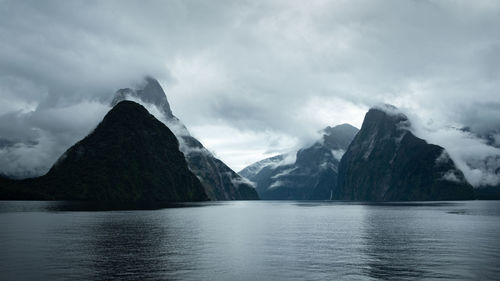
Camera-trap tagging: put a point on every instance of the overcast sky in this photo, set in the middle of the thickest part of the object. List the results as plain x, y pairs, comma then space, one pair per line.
249, 78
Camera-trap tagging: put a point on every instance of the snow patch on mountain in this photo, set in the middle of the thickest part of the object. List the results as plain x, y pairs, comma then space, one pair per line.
337, 153
284, 173
276, 184
288, 159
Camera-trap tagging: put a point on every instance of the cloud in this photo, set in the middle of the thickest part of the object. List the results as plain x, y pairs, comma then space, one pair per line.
451, 176
241, 180
35, 139
337, 153
283, 173
249, 78
478, 161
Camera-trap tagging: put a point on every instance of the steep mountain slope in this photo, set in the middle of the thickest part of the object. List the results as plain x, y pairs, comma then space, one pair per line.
129, 157
220, 182
386, 162
313, 175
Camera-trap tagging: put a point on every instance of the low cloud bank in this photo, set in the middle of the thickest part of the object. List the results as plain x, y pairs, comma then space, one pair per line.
473, 155
37, 138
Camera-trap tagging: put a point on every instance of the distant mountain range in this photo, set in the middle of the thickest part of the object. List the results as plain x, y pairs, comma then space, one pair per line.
384, 162
312, 176
129, 157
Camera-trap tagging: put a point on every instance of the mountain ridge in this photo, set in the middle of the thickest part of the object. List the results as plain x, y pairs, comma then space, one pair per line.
220, 181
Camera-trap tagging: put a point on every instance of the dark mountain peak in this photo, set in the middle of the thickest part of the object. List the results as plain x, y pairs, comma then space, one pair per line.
386, 114
340, 128
124, 110
384, 123
385, 161
150, 80
149, 91
152, 91
129, 157
338, 137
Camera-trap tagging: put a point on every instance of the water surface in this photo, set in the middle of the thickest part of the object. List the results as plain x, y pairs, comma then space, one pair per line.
245, 240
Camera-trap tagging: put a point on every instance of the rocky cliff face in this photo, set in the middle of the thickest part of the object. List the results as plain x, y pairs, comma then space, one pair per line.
219, 181
386, 162
312, 176
129, 157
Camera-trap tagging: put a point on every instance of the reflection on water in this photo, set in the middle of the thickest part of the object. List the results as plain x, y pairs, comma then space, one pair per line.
395, 248
250, 241
124, 246
402, 243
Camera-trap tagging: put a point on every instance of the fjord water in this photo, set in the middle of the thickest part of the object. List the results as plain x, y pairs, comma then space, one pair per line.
251, 241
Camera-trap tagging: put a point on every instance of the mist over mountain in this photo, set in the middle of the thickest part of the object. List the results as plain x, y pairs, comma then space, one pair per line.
387, 162
263, 73
129, 157
313, 174
220, 181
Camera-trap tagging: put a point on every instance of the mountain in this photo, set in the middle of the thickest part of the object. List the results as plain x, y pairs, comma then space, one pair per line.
386, 162
312, 176
220, 181
149, 92
19, 190
129, 157
487, 192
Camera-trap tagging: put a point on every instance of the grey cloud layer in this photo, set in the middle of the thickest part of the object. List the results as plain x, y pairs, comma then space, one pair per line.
258, 71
